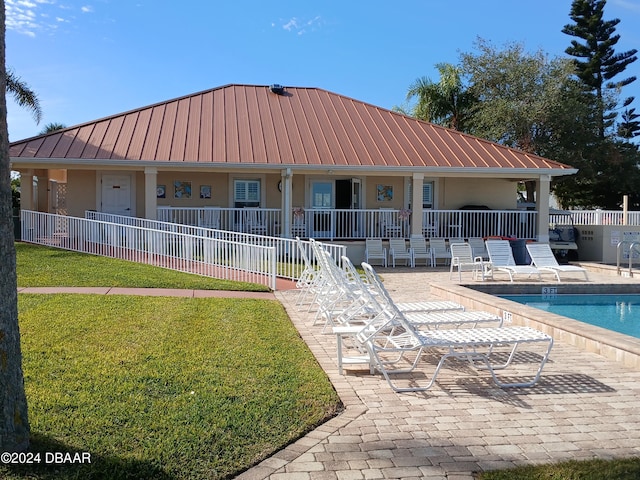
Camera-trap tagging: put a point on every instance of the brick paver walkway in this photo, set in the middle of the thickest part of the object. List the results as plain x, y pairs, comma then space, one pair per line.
584, 406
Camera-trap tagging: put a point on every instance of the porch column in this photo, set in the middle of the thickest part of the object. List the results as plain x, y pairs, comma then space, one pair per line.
416, 204
26, 190
285, 227
150, 196
542, 204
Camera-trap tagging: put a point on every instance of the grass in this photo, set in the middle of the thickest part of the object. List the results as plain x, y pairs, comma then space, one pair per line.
50, 267
622, 469
158, 388
179, 388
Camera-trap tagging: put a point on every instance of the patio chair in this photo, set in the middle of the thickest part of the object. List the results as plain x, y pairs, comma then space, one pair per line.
255, 221
430, 314
209, 218
419, 249
501, 258
382, 296
439, 250
393, 339
462, 258
389, 223
375, 251
398, 251
478, 247
542, 258
299, 225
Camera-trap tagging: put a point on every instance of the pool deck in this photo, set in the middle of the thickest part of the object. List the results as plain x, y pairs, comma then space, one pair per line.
586, 405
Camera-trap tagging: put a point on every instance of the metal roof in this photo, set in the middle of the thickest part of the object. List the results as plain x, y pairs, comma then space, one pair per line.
262, 126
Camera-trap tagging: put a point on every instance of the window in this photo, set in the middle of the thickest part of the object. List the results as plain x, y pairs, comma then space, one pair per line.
246, 193
427, 195
322, 193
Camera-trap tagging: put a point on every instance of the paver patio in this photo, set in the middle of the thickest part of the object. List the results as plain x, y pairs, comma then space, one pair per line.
584, 406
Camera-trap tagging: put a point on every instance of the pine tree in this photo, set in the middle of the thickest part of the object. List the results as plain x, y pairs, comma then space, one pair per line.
596, 62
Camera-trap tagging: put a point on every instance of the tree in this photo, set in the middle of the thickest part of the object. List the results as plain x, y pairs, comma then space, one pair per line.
445, 103
14, 424
596, 62
522, 98
52, 127
23, 95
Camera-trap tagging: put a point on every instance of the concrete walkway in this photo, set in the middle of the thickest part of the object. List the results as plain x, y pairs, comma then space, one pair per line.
155, 292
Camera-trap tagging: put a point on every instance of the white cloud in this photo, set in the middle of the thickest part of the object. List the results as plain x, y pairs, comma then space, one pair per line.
34, 17
633, 6
301, 26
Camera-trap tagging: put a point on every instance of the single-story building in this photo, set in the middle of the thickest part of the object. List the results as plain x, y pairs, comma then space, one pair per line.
292, 154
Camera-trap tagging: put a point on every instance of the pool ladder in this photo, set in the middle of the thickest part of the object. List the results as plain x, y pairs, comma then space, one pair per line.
632, 246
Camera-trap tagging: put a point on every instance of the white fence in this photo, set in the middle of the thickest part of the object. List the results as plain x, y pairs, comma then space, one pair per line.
186, 252
337, 224
604, 217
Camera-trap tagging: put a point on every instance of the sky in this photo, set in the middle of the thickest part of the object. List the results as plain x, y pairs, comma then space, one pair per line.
88, 59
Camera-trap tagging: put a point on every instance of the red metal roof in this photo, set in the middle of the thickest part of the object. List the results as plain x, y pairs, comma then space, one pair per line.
248, 124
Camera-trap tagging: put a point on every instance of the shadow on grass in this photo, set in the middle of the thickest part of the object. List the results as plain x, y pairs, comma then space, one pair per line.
53, 466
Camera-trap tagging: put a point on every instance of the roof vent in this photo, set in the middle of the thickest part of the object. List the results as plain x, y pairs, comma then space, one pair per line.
277, 89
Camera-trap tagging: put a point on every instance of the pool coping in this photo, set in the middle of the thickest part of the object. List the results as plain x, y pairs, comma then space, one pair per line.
612, 345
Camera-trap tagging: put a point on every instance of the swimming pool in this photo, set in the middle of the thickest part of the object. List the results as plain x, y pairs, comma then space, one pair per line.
619, 313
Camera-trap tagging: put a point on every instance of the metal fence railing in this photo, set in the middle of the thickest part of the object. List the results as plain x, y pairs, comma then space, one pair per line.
204, 255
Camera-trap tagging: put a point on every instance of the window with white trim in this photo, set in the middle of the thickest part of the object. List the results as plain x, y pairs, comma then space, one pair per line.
427, 195
246, 193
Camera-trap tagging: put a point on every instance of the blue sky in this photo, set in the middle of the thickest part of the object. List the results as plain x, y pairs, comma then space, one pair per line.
88, 59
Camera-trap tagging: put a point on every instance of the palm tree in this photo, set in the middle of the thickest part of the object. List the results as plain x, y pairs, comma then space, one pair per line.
14, 424
447, 103
23, 95
52, 127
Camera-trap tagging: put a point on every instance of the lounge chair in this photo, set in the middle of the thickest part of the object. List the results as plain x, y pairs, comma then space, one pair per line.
419, 249
542, 258
431, 315
478, 247
398, 251
501, 258
390, 339
462, 258
439, 250
375, 251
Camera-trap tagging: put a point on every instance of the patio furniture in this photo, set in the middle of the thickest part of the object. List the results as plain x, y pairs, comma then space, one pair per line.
439, 250
501, 258
419, 249
462, 258
433, 314
398, 251
478, 247
382, 296
389, 226
209, 218
299, 225
375, 251
255, 221
390, 339
542, 258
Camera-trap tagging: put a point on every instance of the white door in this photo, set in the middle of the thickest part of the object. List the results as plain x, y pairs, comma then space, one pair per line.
116, 194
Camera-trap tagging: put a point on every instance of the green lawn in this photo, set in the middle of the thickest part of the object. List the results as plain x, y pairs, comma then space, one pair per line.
159, 388
40, 266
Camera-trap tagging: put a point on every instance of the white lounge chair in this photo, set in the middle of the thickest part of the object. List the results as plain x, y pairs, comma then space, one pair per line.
398, 251
375, 251
433, 314
439, 250
419, 249
542, 258
462, 258
501, 258
478, 247
391, 339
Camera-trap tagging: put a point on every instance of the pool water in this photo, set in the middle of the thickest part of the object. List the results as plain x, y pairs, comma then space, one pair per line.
619, 313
